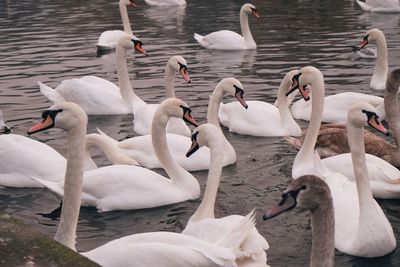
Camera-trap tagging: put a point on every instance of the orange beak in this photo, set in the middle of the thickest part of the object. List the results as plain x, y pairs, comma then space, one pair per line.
43, 125
185, 74
139, 48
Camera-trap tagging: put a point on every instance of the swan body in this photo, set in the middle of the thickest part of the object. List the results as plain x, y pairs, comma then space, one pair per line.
361, 228
336, 106
144, 114
141, 149
163, 3
98, 96
133, 187
146, 249
312, 193
203, 224
229, 40
108, 39
275, 122
381, 69
384, 6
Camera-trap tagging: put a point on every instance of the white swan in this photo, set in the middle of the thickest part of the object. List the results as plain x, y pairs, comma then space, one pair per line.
275, 122
144, 114
361, 227
123, 187
98, 96
385, 178
378, 80
163, 3
141, 250
108, 39
141, 149
312, 193
388, 6
4, 129
203, 224
229, 40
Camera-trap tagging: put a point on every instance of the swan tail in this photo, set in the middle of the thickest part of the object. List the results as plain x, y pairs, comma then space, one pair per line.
51, 93
198, 37
54, 187
296, 142
110, 148
363, 5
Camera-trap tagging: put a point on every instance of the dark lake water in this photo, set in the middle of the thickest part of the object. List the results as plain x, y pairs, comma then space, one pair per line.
50, 41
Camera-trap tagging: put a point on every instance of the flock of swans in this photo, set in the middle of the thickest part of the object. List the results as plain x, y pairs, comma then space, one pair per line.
339, 189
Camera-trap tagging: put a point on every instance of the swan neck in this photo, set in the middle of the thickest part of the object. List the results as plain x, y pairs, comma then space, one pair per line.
213, 106
169, 81
178, 175
357, 150
392, 112
381, 65
66, 231
306, 154
125, 18
206, 207
244, 25
323, 228
283, 105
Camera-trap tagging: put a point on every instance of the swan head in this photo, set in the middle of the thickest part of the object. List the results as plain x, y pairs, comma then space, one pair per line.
371, 35
65, 115
362, 114
306, 76
250, 9
128, 42
393, 82
306, 192
206, 134
175, 107
178, 64
128, 3
233, 87
3, 128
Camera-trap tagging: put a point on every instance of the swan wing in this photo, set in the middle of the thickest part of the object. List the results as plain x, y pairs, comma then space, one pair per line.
222, 40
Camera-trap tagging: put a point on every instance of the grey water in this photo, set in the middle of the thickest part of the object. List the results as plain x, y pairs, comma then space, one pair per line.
50, 41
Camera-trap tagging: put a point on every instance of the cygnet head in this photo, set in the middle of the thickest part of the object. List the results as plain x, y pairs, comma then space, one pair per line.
178, 64
65, 115
306, 192
233, 87
250, 9
128, 41
362, 114
206, 134
175, 107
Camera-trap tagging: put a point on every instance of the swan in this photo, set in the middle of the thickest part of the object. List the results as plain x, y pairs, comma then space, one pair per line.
98, 96
108, 39
143, 115
277, 121
229, 40
4, 129
332, 138
361, 227
140, 250
163, 3
141, 149
124, 187
388, 6
378, 80
312, 193
385, 178
203, 224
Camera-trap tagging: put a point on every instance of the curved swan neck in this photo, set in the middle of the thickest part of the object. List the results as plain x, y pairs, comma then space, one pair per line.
306, 153
392, 112
206, 207
323, 228
178, 175
125, 18
283, 105
381, 65
66, 231
244, 25
169, 81
214, 104
357, 150
125, 86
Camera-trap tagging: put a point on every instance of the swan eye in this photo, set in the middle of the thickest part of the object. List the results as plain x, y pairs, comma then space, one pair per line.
182, 66
137, 43
370, 114
51, 113
186, 110
238, 91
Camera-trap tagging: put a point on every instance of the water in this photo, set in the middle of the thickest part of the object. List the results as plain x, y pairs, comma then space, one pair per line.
50, 41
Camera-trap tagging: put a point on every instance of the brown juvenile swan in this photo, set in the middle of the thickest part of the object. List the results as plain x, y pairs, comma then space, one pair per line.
312, 193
